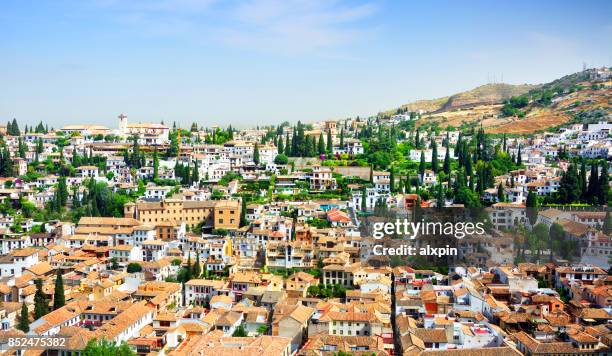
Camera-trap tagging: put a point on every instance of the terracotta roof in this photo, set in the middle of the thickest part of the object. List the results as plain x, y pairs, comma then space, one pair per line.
431, 334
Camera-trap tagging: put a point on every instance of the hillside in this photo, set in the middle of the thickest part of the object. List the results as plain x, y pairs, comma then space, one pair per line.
572, 98
484, 94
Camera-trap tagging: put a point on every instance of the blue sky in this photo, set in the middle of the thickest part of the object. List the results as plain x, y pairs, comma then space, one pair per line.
265, 61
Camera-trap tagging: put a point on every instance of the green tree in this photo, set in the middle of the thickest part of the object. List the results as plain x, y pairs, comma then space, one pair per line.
41, 304
24, 319
59, 298
134, 267
440, 196
501, 197
6, 163
593, 186
103, 347
321, 144
446, 165
196, 271
542, 235
422, 165
364, 205
583, 179
243, 211
604, 184
114, 263
330, 145
434, 156
288, 148
531, 205
557, 236
256, 154
195, 173
240, 331
21, 148
281, 159
262, 330
569, 186
280, 145
155, 165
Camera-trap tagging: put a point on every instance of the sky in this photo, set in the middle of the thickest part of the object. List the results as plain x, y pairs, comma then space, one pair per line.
259, 62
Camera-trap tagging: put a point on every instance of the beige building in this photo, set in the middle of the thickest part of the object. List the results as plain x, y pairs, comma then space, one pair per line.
216, 214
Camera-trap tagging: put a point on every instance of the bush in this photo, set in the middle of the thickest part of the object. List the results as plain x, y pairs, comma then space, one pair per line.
281, 159
134, 267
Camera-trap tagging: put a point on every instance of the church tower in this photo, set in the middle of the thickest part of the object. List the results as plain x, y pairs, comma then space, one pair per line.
123, 124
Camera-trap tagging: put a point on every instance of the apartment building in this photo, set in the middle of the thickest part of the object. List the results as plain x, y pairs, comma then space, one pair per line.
222, 214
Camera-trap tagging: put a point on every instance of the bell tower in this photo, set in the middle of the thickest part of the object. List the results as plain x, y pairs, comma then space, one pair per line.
123, 123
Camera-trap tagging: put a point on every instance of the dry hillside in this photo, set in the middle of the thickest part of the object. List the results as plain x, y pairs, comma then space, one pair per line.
483, 105
483, 95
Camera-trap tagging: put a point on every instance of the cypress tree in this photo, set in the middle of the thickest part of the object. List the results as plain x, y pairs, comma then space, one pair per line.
24, 319
296, 141
531, 206
155, 165
41, 305
500, 193
314, 148
281, 147
446, 165
187, 175
434, 157
195, 173
422, 165
243, 209
321, 145
440, 196
593, 186
188, 273
468, 167
583, 178
391, 180
15, 128
256, 154
59, 298
196, 266
330, 142
458, 147
62, 191
569, 186
75, 198
604, 184
364, 205
21, 149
